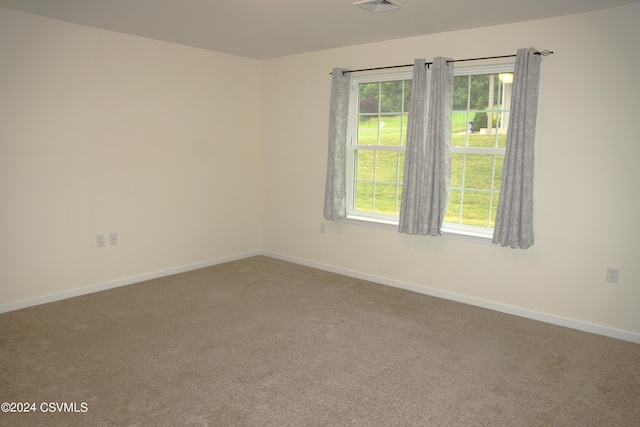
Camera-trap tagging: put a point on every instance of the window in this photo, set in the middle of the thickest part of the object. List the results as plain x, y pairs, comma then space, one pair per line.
377, 140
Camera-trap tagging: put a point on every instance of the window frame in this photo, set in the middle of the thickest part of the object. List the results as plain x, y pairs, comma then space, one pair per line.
503, 67
353, 146
466, 232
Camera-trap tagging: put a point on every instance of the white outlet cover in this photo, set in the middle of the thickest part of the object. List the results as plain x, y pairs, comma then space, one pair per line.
613, 274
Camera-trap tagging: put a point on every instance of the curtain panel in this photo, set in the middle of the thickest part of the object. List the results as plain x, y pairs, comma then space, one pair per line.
335, 195
514, 218
427, 168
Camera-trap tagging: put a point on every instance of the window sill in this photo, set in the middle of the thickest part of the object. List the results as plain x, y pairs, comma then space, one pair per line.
458, 233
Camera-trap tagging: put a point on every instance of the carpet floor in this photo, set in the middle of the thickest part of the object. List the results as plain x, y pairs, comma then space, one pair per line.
263, 342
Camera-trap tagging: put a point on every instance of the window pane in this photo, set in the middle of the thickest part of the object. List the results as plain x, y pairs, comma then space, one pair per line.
502, 125
478, 171
407, 95
502, 139
453, 212
497, 180
482, 140
364, 165
460, 123
459, 127
480, 121
494, 208
368, 94
457, 160
386, 197
460, 92
387, 166
479, 92
403, 129
364, 196
368, 130
391, 97
390, 130
475, 208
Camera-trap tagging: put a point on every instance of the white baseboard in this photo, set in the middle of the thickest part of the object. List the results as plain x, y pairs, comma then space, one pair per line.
120, 282
503, 308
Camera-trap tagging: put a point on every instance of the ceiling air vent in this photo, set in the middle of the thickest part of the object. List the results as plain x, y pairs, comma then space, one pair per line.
377, 5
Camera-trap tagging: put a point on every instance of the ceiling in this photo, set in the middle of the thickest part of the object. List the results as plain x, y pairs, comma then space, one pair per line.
264, 29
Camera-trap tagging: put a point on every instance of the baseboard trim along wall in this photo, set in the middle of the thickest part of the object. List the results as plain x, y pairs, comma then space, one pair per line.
503, 308
120, 282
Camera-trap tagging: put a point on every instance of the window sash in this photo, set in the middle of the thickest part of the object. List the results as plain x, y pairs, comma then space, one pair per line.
354, 147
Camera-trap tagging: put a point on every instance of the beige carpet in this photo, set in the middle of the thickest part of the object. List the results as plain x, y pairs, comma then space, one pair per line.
262, 342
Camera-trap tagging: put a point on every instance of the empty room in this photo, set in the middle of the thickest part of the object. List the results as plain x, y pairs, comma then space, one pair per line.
319, 213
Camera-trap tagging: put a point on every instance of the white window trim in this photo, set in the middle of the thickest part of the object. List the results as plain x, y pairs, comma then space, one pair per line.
451, 233
450, 230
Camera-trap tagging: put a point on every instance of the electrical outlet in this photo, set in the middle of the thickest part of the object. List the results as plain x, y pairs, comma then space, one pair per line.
113, 238
323, 227
613, 274
99, 240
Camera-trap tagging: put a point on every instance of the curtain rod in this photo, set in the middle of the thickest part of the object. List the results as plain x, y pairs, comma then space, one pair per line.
543, 53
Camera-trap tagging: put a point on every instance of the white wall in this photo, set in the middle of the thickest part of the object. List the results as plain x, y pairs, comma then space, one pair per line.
102, 132
587, 154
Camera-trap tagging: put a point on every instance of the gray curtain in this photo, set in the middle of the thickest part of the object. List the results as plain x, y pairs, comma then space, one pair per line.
427, 166
335, 194
514, 219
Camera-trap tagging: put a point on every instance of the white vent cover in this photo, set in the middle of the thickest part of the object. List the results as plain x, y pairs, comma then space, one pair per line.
377, 5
